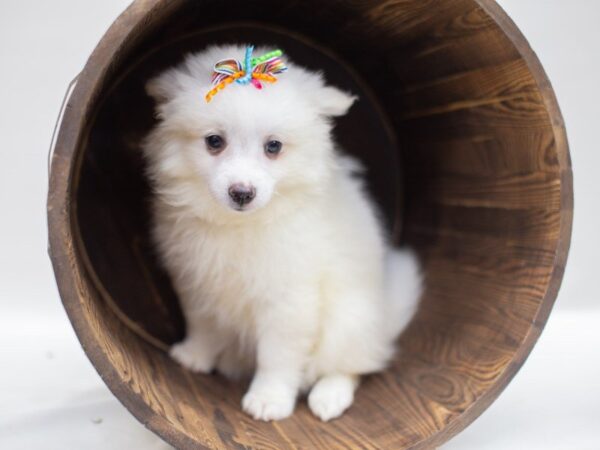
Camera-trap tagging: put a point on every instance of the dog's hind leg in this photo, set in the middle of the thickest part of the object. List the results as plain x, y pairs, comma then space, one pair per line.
201, 347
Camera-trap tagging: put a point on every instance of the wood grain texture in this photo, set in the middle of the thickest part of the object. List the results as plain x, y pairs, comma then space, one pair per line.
460, 120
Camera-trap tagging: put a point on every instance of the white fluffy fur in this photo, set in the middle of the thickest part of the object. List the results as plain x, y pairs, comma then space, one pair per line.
292, 287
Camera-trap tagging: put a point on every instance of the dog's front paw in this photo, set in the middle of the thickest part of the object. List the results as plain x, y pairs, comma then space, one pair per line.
268, 404
194, 356
331, 396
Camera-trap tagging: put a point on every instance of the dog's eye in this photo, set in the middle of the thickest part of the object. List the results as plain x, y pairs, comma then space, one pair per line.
272, 148
215, 143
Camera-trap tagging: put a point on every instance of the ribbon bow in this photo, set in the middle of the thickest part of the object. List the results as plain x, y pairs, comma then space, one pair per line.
254, 70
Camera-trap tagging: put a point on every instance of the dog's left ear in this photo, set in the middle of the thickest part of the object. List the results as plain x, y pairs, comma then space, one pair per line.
333, 102
163, 87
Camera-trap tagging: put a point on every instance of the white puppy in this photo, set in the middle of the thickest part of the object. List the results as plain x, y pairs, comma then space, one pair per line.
272, 245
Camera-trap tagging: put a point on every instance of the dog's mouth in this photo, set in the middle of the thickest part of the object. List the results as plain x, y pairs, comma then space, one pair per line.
242, 209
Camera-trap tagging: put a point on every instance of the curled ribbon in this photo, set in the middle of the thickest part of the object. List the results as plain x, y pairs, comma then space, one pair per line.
252, 71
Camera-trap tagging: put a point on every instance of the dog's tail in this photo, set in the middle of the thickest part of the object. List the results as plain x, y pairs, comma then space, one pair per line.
403, 285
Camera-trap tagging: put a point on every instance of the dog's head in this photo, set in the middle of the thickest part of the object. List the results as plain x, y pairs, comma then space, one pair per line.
248, 148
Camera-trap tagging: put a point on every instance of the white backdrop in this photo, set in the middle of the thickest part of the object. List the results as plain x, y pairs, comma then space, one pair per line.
51, 397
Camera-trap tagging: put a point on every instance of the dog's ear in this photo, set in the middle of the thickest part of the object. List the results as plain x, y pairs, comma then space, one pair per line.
333, 102
163, 87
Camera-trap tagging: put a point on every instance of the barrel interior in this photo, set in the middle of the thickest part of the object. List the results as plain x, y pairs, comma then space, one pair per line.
464, 157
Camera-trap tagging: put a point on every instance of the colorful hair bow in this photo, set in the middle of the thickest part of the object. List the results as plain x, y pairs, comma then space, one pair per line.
253, 70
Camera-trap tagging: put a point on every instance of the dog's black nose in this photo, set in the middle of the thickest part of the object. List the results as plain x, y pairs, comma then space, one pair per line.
242, 194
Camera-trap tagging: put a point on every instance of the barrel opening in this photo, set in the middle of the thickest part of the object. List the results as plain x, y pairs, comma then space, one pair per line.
466, 156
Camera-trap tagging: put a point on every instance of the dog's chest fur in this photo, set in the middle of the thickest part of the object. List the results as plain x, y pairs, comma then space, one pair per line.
238, 272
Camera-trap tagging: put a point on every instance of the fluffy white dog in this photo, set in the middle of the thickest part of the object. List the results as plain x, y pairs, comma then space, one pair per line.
272, 245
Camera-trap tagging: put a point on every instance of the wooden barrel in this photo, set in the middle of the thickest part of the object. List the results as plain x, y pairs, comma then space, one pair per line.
467, 157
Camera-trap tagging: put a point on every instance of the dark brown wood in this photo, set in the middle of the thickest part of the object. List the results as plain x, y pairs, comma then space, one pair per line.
467, 157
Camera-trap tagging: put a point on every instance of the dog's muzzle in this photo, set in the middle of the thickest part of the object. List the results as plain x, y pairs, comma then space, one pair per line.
242, 194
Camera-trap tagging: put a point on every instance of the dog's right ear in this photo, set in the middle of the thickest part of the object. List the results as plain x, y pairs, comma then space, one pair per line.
333, 102
163, 87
